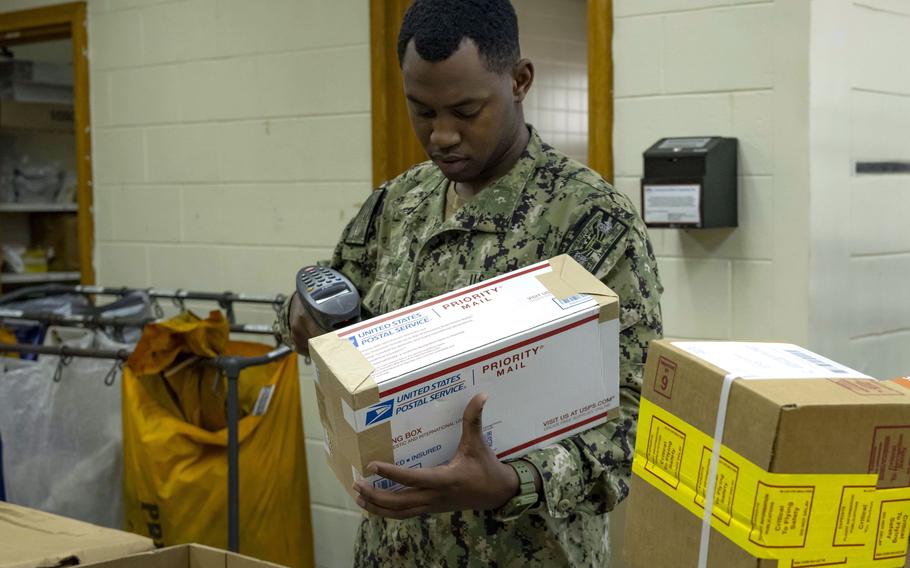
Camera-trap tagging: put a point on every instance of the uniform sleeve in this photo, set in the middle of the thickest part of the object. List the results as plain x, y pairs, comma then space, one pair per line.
589, 472
355, 256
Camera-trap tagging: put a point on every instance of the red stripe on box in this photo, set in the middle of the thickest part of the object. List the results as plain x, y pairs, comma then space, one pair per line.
551, 435
486, 284
415, 382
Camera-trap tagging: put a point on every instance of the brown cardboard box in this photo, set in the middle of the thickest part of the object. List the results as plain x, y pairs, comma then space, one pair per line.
31, 539
508, 337
36, 116
835, 424
186, 556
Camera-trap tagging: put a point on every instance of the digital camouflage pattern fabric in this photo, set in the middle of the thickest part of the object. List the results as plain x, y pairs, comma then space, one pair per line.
401, 250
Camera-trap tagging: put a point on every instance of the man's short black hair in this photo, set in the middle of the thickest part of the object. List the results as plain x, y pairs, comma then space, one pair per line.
439, 26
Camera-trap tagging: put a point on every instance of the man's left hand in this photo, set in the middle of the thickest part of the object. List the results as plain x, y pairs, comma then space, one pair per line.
474, 479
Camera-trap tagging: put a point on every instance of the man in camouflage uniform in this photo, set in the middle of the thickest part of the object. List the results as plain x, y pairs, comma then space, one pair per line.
493, 199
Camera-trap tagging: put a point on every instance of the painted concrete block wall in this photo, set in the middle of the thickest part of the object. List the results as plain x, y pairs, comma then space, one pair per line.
231, 147
231, 144
718, 67
554, 36
860, 237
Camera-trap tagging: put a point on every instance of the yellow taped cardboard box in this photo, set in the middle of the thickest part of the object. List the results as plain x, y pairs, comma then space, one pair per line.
814, 469
186, 556
31, 539
542, 342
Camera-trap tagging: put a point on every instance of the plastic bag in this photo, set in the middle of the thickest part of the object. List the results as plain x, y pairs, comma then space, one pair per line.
62, 440
175, 444
37, 183
134, 306
32, 332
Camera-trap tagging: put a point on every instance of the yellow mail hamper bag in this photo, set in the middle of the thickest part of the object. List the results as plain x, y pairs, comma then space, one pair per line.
175, 444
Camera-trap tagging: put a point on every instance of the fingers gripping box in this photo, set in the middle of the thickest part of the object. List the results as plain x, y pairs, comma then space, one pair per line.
542, 342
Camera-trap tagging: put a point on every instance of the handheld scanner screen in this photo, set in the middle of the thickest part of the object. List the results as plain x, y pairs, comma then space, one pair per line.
329, 297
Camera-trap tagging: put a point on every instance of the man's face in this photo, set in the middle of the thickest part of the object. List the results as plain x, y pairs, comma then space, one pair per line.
464, 115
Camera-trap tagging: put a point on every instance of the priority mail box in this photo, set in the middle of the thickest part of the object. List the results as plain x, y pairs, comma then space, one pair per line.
542, 342
813, 467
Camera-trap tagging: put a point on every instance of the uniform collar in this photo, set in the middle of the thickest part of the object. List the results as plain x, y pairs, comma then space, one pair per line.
491, 210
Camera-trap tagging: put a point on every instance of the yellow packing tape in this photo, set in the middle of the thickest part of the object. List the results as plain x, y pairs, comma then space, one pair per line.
803, 520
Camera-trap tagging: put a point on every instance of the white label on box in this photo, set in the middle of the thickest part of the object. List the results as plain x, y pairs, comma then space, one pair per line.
767, 360
672, 203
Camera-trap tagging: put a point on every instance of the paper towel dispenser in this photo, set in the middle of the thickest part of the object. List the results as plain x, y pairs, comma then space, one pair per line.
690, 182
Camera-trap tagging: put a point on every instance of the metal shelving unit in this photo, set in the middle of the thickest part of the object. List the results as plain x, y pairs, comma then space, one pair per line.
39, 277
38, 208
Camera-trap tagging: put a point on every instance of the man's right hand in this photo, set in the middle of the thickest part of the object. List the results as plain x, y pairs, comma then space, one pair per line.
302, 324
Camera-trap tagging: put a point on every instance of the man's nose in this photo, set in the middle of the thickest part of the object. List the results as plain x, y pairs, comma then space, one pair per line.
445, 134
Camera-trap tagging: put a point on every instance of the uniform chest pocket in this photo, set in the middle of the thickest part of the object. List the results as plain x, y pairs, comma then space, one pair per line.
389, 288
353, 253
455, 278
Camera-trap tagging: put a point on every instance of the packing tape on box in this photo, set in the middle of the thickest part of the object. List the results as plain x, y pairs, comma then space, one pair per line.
802, 520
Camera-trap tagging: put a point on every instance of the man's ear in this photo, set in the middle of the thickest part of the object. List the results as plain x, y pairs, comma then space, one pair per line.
522, 79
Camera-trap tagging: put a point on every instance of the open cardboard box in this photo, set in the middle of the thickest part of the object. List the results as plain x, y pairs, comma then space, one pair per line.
185, 556
31, 539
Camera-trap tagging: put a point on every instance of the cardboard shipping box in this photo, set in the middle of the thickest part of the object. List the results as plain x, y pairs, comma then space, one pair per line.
814, 468
542, 342
186, 556
36, 116
32, 539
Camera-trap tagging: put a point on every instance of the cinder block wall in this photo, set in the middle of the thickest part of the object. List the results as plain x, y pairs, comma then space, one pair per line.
716, 67
249, 150
860, 107
231, 144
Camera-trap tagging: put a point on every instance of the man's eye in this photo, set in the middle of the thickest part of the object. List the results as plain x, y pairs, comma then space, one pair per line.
426, 113
467, 113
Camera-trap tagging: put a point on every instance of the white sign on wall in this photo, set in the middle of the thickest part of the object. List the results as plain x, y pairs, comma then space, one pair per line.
679, 203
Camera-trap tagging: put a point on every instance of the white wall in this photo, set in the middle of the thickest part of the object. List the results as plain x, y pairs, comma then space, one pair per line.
860, 238
231, 147
728, 68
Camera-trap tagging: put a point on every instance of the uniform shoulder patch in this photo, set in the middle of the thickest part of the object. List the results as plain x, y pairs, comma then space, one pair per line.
360, 226
592, 238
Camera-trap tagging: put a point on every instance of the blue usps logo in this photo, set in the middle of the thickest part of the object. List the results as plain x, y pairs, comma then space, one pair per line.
379, 412
353, 340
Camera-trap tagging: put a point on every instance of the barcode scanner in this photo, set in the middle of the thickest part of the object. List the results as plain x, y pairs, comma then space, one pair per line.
328, 296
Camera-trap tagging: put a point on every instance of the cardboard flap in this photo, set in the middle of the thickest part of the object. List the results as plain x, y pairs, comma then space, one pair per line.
568, 278
349, 367
187, 556
34, 538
